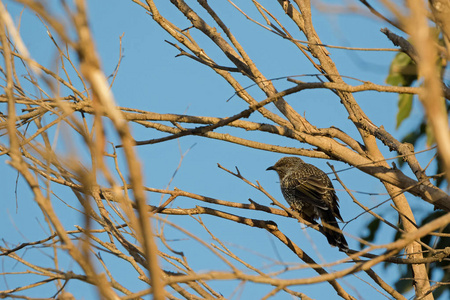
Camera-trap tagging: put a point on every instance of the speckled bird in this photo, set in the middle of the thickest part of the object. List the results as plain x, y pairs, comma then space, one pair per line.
309, 191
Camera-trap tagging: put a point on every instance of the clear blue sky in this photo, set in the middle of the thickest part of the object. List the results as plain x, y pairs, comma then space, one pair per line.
152, 79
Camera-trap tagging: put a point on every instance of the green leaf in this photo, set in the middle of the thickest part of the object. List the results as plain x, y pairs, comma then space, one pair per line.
404, 283
404, 107
373, 228
395, 79
402, 72
445, 278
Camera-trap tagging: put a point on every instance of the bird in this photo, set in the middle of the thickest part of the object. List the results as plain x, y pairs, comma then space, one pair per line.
309, 191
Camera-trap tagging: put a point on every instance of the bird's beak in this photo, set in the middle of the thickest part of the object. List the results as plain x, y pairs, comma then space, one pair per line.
270, 168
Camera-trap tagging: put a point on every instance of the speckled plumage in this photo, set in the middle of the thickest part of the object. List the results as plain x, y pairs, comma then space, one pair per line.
309, 191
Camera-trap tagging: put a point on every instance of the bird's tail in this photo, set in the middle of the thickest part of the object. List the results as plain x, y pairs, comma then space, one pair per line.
333, 235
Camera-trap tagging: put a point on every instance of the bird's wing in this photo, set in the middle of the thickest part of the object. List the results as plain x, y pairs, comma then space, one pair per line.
312, 190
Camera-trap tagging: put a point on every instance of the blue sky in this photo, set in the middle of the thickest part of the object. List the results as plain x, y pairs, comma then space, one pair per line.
151, 78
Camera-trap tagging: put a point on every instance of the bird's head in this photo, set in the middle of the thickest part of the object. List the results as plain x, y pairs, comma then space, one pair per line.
284, 164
